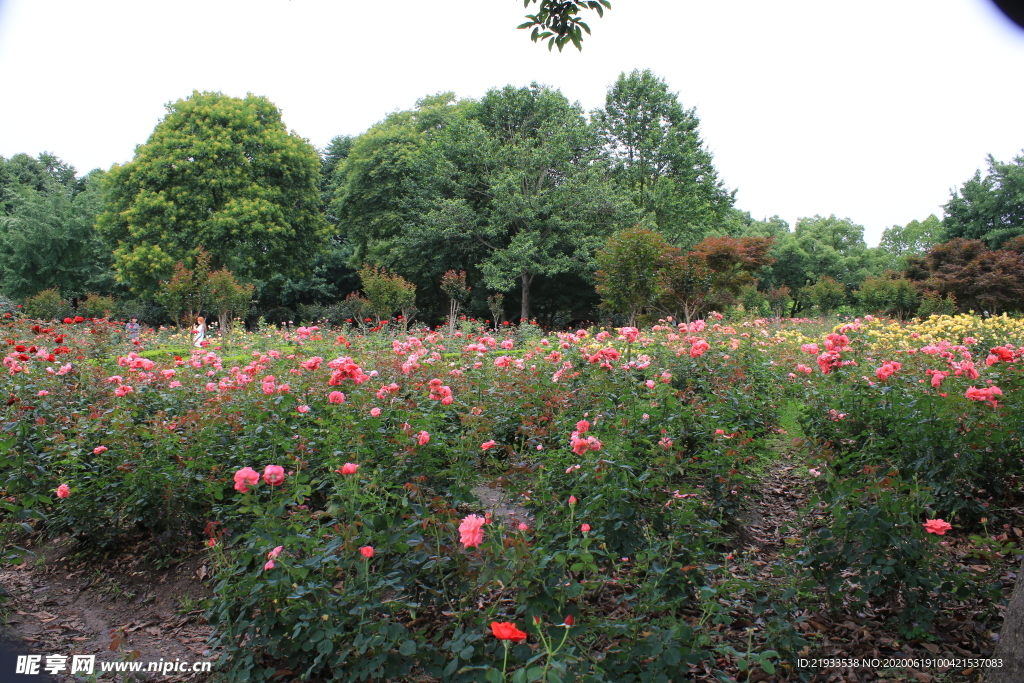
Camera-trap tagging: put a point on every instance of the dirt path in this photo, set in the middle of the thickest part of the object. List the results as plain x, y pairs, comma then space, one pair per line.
779, 513
118, 610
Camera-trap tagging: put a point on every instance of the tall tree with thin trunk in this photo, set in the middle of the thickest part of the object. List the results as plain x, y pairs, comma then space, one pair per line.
658, 157
550, 202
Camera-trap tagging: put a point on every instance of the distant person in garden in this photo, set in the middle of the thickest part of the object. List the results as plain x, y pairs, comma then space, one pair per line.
132, 329
199, 332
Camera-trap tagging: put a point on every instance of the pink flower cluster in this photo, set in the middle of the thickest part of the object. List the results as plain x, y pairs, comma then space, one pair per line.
581, 444
439, 392
247, 476
629, 334
345, 368
888, 368
1005, 354
985, 394
606, 354
937, 377
271, 556
937, 526
386, 389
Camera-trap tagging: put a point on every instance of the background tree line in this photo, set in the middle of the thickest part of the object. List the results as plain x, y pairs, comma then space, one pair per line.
520, 191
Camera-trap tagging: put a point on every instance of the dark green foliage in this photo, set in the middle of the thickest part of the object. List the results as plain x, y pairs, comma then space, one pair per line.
658, 158
559, 22
989, 208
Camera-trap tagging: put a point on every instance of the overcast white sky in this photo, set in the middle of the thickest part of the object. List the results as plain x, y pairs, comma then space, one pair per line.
870, 110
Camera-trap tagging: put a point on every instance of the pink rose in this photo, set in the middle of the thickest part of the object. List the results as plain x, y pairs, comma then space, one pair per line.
244, 478
375, 412
303, 409
63, 491
274, 475
487, 445
471, 530
937, 526
585, 528
422, 438
272, 555
349, 468
572, 500
268, 566
336, 397
366, 551
99, 449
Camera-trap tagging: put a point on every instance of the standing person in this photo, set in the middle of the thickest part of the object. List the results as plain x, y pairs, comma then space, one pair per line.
132, 329
199, 332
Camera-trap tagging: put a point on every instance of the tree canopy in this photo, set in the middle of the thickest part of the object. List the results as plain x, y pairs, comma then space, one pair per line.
222, 173
47, 235
516, 191
657, 156
989, 208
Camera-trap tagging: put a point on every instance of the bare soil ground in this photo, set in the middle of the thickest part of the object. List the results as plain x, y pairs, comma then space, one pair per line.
119, 609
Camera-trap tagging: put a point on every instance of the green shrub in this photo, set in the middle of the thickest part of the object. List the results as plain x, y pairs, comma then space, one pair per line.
47, 305
874, 548
96, 306
933, 303
827, 294
889, 296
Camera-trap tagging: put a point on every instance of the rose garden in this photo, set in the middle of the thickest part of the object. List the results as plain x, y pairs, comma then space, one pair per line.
477, 504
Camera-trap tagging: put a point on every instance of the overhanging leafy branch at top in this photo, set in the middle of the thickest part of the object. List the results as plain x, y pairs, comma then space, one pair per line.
559, 22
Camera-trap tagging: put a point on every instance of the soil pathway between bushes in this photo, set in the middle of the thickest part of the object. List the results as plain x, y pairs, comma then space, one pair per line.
118, 610
779, 513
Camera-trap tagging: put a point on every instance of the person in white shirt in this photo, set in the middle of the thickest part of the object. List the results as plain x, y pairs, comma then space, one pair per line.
199, 332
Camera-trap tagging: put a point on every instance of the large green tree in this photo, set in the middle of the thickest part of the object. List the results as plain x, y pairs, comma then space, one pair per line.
989, 208
398, 185
657, 155
222, 173
551, 202
628, 274
822, 247
510, 189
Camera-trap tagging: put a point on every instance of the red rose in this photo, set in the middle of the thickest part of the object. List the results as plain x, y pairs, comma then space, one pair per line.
504, 630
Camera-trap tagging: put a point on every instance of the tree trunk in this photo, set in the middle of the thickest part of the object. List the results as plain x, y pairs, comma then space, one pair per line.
1010, 648
524, 314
